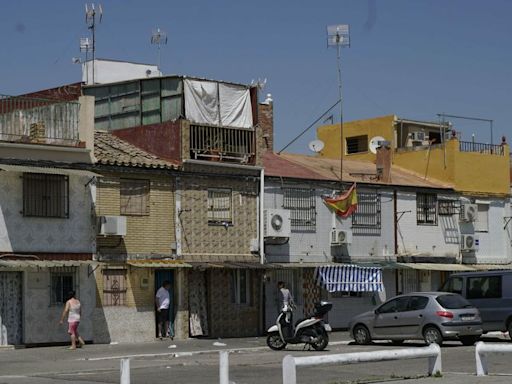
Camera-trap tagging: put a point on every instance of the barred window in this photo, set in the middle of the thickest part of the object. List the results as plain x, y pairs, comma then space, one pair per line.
447, 207
302, 205
62, 281
45, 195
134, 197
357, 144
426, 209
219, 206
368, 213
114, 287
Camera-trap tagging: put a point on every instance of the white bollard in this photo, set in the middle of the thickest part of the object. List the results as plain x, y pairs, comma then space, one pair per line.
125, 371
224, 367
289, 370
482, 350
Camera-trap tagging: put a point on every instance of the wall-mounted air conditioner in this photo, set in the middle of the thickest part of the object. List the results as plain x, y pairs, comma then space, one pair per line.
112, 226
469, 212
469, 243
340, 237
277, 223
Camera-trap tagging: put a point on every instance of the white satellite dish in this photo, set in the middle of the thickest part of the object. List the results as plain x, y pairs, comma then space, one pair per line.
375, 143
316, 145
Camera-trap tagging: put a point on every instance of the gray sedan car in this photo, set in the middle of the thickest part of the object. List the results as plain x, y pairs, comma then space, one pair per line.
431, 316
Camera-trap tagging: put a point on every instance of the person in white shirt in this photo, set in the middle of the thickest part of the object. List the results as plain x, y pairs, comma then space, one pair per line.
163, 301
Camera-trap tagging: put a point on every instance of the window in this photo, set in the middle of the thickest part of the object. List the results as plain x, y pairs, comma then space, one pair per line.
426, 209
240, 286
134, 197
395, 305
219, 206
45, 195
484, 287
63, 280
368, 210
302, 205
114, 287
454, 285
417, 303
482, 221
357, 144
447, 207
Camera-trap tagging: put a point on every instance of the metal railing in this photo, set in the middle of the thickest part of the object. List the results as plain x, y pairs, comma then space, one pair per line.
489, 149
34, 120
222, 143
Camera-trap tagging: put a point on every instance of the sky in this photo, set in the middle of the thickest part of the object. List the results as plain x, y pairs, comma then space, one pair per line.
412, 58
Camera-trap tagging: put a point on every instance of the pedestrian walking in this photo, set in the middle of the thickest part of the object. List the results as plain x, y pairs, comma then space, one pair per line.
73, 311
163, 301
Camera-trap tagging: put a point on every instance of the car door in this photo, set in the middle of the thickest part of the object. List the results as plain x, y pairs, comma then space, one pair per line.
388, 317
485, 293
411, 320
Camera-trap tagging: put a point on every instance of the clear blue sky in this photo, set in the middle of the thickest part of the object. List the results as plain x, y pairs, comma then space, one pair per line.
413, 58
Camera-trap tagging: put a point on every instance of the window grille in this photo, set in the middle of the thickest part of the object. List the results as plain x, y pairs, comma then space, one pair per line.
357, 144
368, 213
219, 206
302, 205
426, 209
62, 281
134, 197
447, 207
114, 287
45, 195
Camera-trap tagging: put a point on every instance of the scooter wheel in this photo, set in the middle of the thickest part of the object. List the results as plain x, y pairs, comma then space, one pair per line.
275, 342
322, 342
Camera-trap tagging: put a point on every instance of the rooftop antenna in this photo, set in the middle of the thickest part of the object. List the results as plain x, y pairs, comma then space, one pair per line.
90, 19
339, 36
158, 38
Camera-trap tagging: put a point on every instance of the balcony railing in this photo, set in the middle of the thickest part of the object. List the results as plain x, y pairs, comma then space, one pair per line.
33, 120
222, 144
489, 149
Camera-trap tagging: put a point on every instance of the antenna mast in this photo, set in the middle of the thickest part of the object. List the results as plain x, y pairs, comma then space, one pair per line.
90, 20
339, 36
158, 38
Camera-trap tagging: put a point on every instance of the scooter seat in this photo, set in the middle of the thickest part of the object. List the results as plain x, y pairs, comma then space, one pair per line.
299, 321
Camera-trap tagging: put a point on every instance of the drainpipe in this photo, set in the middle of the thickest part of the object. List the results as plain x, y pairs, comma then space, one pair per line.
261, 223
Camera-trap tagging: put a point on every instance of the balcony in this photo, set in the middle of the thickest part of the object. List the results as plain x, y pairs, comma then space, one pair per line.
39, 121
488, 149
235, 145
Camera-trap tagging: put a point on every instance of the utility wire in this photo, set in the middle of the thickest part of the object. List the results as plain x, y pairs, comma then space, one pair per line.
309, 127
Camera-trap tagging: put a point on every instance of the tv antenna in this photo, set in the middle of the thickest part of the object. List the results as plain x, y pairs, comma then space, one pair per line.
339, 36
158, 38
90, 19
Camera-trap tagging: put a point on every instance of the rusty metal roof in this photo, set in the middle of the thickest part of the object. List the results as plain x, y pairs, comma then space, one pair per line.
111, 150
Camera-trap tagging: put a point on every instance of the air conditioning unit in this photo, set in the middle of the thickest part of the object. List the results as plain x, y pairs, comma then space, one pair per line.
277, 223
112, 226
341, 237
469, 212
469, 243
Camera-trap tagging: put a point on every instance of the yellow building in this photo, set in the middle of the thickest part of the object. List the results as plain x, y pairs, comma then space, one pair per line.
432, 150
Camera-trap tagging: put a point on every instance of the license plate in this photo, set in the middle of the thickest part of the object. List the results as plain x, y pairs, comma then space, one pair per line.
467, 318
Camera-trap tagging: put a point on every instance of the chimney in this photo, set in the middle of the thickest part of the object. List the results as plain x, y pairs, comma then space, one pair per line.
266, 121
384, 162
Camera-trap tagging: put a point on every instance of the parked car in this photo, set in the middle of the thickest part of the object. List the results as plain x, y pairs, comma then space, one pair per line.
490, 292
431, 316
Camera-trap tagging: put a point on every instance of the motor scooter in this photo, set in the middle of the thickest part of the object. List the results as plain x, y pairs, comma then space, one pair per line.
312, 331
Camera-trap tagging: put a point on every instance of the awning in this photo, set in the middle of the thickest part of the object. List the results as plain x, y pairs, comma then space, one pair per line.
158, 263
228, 265
490, 267
47, 170
19, 264
349, 278
436, 267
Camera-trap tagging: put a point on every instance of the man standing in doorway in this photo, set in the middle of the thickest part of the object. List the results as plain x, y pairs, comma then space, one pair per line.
162, 301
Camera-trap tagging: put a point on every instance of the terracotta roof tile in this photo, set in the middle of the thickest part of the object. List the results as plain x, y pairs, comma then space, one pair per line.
111, 150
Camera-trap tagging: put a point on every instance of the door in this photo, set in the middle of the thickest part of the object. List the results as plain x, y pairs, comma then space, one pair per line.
11, 304
389, 317
411, 320
162, 275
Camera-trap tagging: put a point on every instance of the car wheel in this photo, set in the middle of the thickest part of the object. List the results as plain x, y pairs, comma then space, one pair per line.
275, 342
432, 335
468, 340
397, 342
361, 335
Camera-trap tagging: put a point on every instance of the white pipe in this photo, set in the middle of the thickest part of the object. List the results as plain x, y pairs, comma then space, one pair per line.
224, 367
261, 222
125, 371
433, 352
482, 350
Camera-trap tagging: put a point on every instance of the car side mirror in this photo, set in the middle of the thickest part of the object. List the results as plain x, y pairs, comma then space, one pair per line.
376, 312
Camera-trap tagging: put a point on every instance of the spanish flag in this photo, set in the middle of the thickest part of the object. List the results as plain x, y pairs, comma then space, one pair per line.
343, 204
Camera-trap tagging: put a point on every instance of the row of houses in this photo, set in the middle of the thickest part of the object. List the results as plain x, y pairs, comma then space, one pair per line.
110, 189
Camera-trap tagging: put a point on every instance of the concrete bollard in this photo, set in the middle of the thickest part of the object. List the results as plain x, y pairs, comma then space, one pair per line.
482, 350
224, 367
125, 371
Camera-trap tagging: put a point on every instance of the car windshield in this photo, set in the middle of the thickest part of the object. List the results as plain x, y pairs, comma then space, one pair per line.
453, 302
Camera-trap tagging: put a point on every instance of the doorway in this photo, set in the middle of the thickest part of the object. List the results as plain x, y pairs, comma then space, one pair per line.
162, 275
11, 305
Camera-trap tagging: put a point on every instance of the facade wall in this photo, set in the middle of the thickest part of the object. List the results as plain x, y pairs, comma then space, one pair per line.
42, 234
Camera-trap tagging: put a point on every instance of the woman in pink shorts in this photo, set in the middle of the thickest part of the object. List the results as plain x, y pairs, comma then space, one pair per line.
73, 310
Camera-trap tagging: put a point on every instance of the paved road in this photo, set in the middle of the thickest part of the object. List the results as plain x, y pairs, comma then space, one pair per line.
251, 362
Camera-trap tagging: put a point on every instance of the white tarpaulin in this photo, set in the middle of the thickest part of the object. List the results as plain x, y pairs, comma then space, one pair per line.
208, 102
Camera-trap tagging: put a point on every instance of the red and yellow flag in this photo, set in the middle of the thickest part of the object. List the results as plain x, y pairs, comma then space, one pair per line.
343, 204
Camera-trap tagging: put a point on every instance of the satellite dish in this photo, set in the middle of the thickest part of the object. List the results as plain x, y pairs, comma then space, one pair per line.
375, 143
316, 145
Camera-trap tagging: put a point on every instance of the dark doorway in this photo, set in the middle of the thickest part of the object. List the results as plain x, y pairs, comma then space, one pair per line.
160, 276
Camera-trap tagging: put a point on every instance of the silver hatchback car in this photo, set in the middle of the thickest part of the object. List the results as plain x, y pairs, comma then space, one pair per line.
431, 316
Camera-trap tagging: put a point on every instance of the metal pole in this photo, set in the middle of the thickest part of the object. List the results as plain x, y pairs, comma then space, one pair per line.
491, 134
341, 112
